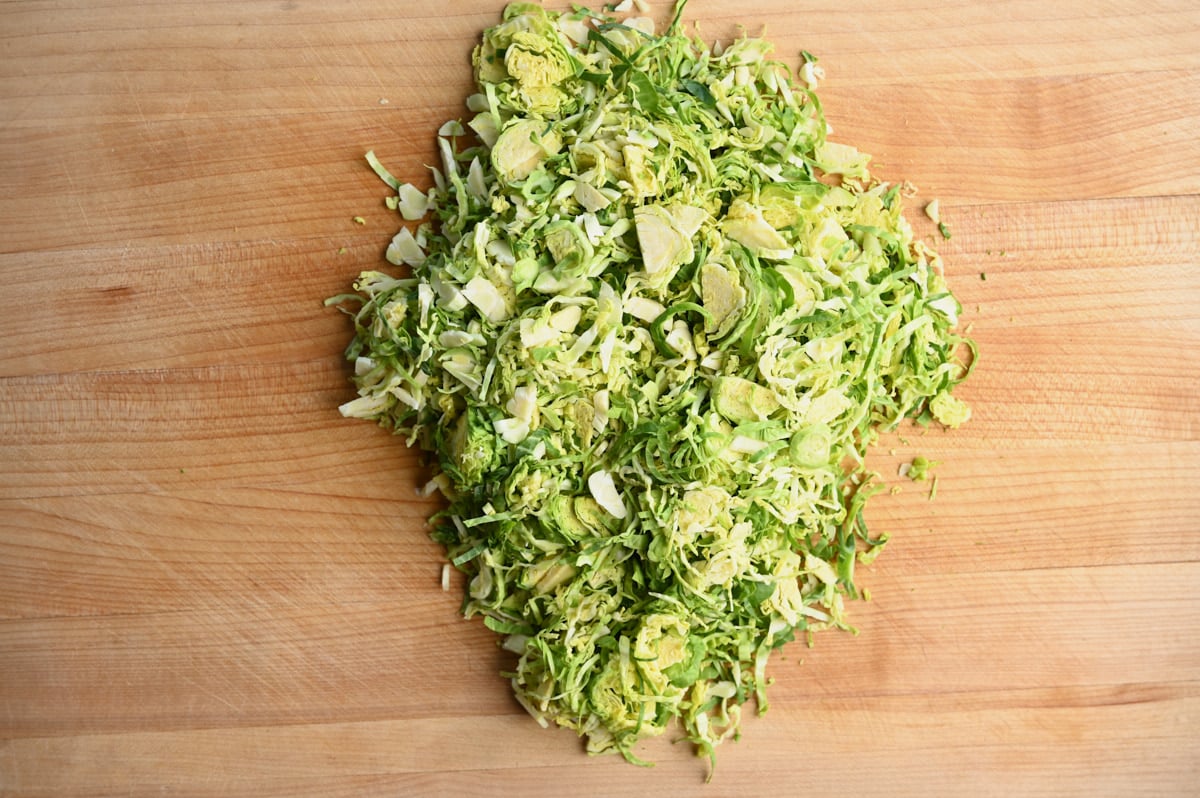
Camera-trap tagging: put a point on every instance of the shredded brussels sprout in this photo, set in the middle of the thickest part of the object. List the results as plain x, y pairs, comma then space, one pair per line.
652, 321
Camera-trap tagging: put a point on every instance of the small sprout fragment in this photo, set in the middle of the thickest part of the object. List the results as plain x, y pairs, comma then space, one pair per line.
745, 224
741, 400
722, 295
405, 249
600, 483
918, 469
412, 203
521, 148
950, 410
665, 238
933, 211
485, 296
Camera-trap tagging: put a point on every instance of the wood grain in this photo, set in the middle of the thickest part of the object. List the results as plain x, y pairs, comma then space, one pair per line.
211, 584
891, 738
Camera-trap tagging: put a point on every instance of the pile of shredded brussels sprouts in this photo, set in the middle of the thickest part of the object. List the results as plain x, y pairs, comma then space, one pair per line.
651, 320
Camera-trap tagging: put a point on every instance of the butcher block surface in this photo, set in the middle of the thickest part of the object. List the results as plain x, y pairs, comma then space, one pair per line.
212, 584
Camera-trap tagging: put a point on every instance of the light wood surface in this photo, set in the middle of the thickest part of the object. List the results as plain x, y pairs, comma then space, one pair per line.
212, 584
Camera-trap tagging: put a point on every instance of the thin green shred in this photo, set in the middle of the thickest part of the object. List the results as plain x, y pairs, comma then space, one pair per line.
649, 324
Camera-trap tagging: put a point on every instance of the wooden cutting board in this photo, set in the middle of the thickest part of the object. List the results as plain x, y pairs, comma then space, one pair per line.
210, 583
